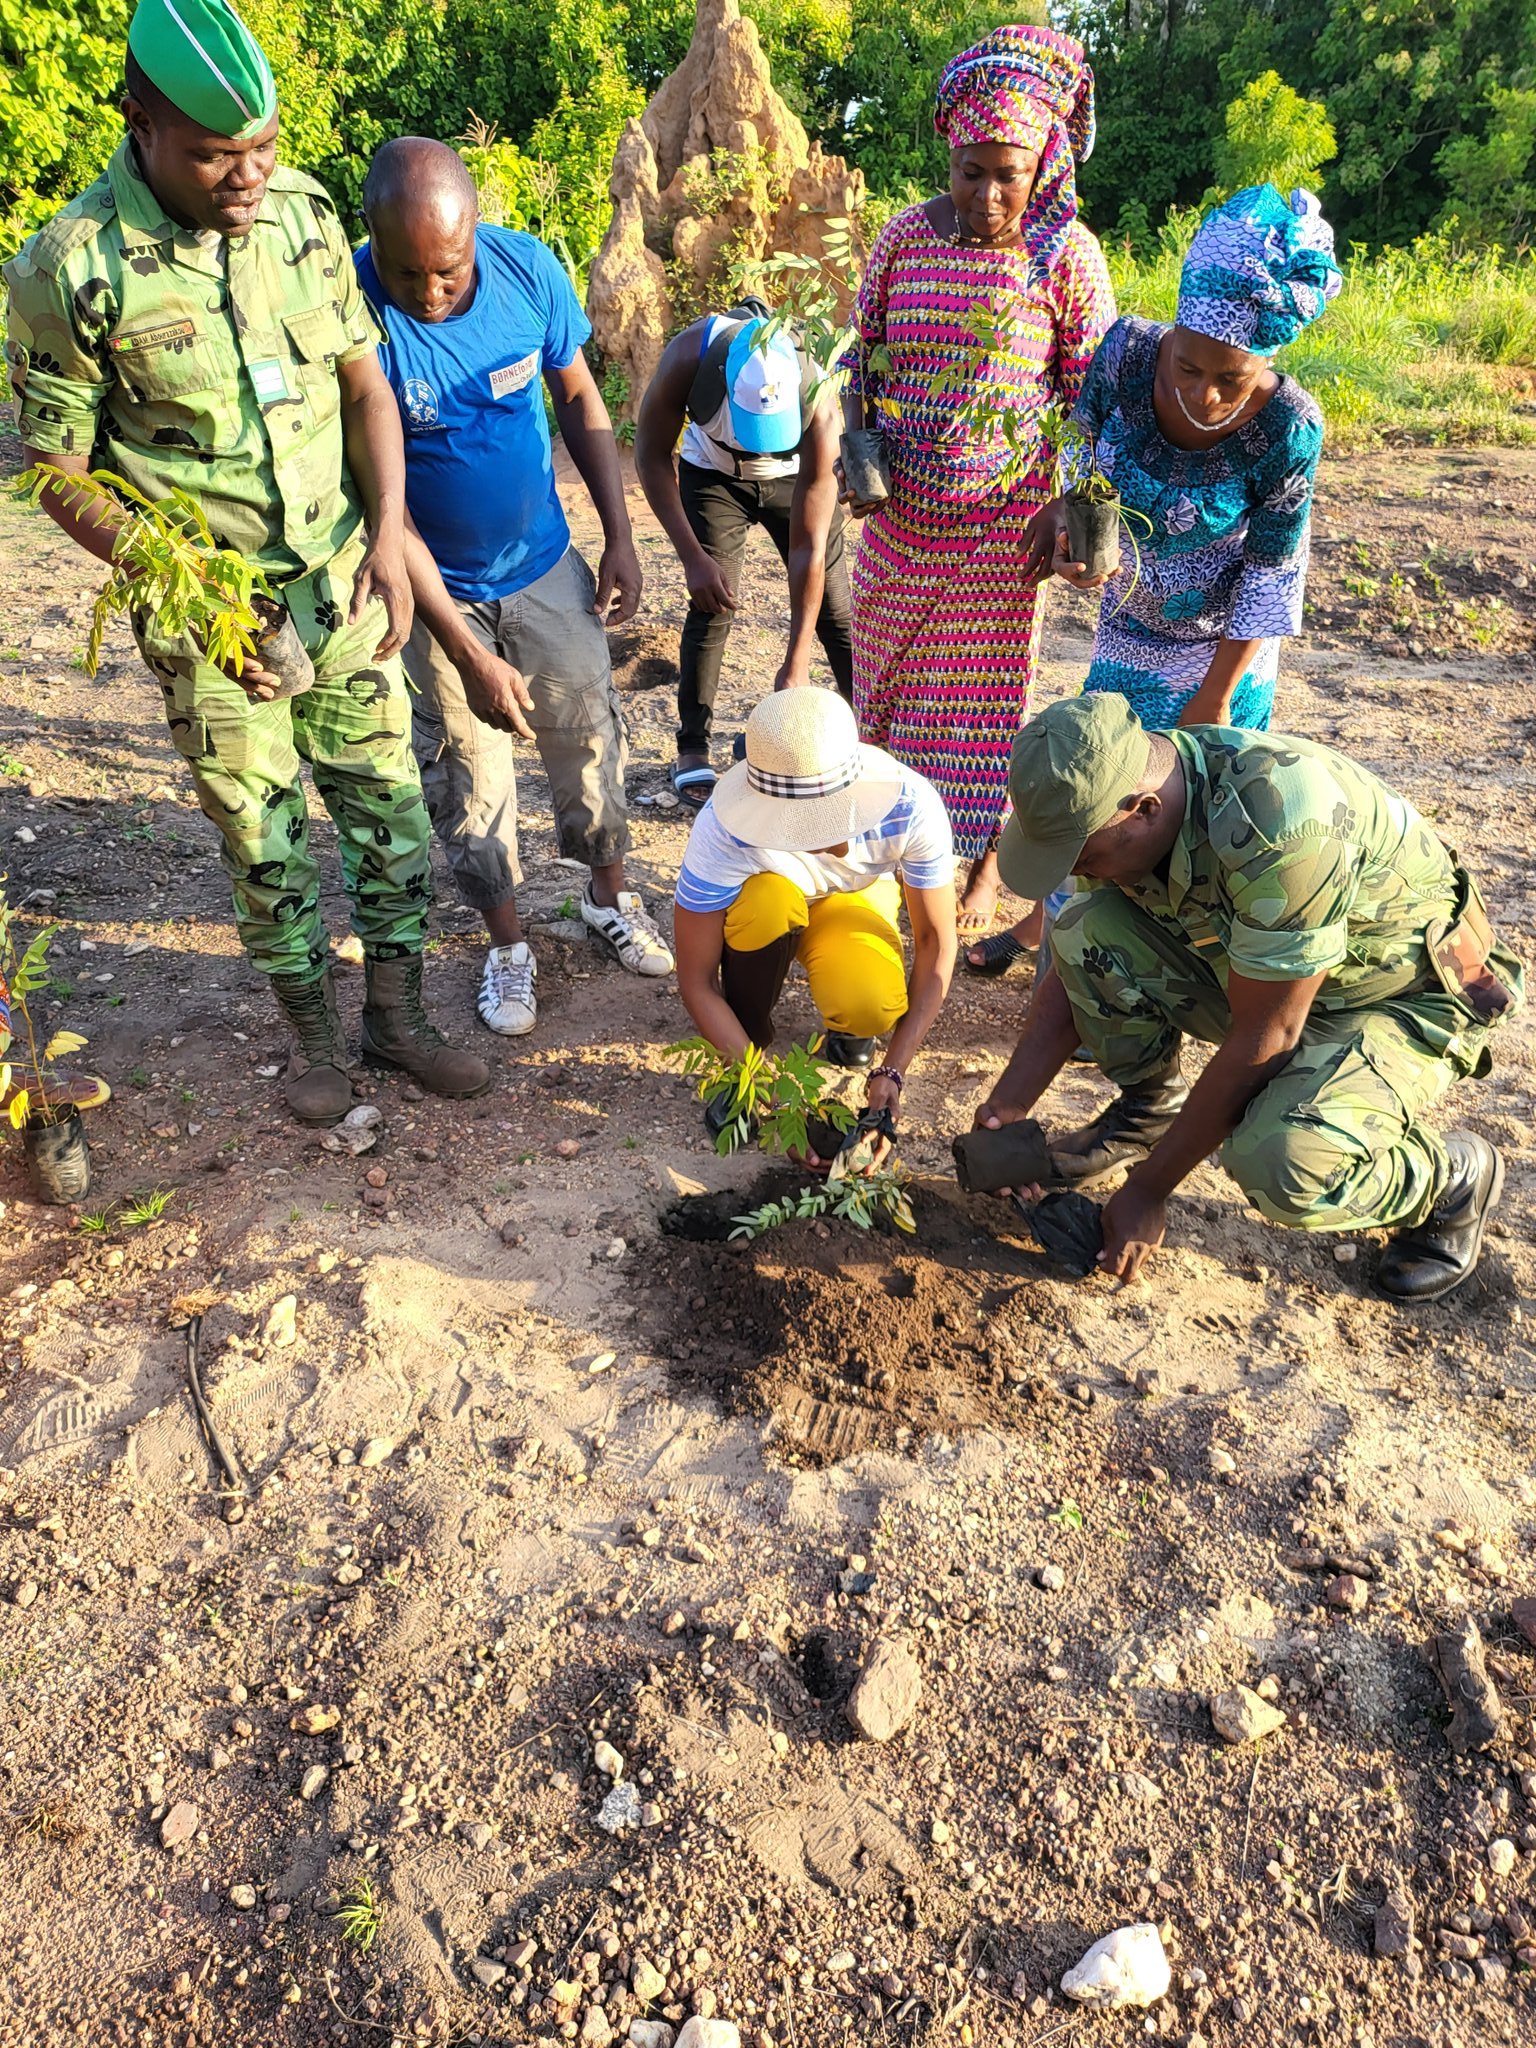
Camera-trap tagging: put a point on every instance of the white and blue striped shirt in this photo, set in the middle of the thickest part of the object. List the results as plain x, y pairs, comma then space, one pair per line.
912, 840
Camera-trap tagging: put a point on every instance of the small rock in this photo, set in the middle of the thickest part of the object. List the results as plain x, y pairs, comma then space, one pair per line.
567, 1148
315, 1720
1488, 1558
841, 1959
486, 1972
647, 1982
477, 1833
1221, 1461
596, 2028
522, 1953
603, 1361
179, 1825
377, 1177
347, 1574
314, 1781
280, 1327
1345, 1254
1522, 1613
703, 2033
1477, 1712
242, 1897
620, 1810
1502, 1857
1126, 1968
1050, 1578
608, 1760
510, 1234
375, 1451
1349, 1593
1393, 1932
939, 1832
675, 1623
1239, 1715
886, 1693
650, 2034
25, 1593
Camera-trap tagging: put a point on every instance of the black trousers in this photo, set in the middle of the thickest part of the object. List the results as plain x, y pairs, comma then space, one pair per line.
720, 510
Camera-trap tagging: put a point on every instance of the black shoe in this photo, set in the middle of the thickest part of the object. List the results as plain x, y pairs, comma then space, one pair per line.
1122, 1134
1436, 1255
842, 1049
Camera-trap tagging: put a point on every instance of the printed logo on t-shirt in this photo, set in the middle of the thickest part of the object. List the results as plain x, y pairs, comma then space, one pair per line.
515, 376
421, 408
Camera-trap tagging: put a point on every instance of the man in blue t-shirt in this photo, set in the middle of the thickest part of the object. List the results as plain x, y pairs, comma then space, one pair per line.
509, 637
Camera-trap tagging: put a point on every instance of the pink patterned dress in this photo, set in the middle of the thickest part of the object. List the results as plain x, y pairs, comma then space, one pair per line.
945, 629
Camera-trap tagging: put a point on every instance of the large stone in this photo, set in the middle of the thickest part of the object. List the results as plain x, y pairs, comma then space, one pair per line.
702, 2033
886, 1693
646, 1981
1126, 1968
1393, 1931
1477, 1712
179, 1825
650, 2034
669, 201
1239, 1715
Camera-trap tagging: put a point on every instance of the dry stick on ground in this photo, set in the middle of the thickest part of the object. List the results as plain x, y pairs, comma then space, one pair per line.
374, 2026
231, 1470
1242, 1869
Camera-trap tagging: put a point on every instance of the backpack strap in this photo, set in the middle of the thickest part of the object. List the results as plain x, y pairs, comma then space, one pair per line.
707, 392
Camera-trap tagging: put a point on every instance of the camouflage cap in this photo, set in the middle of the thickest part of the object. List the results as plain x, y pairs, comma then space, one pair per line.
205, 60
1070, 770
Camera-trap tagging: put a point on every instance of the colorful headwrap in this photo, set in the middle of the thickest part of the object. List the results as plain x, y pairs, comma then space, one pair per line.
1260, 269
1029, 87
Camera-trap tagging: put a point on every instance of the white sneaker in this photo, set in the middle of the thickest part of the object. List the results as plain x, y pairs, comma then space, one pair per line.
627, 929
507, 1001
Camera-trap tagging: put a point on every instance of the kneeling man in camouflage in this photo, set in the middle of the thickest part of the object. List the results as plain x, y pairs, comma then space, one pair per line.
1275, 899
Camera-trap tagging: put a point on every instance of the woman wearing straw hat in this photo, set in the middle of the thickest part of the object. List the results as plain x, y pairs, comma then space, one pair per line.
803, 851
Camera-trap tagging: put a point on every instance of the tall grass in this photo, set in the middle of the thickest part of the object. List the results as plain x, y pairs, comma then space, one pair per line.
1435, 343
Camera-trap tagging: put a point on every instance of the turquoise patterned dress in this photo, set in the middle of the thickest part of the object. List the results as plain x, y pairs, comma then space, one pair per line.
1227, 555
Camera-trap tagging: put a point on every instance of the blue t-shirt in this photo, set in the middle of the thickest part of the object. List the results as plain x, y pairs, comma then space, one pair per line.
479, 474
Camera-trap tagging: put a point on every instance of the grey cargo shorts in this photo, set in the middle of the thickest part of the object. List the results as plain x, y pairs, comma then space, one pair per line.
469, 770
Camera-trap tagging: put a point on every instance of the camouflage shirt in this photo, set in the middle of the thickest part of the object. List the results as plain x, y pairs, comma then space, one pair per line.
183, 359
1293, 861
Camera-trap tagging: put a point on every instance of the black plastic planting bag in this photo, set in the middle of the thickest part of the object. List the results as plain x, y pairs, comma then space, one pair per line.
1071, 1229
1016, 1156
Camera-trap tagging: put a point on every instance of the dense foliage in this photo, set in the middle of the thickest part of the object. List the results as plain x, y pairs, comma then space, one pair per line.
1412, 113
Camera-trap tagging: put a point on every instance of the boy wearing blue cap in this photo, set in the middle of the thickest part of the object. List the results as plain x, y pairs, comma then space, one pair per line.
755, 452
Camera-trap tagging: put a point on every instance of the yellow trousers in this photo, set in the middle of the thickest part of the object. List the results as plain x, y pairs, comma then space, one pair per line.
850, 947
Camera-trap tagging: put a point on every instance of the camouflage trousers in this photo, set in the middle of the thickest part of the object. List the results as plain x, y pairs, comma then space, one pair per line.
353, 727
1337, 1140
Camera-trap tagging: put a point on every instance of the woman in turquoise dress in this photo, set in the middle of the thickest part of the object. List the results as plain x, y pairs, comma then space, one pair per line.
1213, 452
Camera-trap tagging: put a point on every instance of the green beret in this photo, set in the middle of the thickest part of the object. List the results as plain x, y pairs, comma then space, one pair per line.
205, 60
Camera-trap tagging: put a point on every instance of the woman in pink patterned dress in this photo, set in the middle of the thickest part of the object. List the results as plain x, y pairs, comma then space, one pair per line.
945, 628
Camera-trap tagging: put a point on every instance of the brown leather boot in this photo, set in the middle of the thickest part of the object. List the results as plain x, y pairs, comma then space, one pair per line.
317, 1085
397, 1032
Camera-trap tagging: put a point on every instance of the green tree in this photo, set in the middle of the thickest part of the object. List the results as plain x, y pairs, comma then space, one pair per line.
1274, 137
61, 69
1490, 179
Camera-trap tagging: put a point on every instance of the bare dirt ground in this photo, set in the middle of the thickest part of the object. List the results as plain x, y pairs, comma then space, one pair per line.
665, 1493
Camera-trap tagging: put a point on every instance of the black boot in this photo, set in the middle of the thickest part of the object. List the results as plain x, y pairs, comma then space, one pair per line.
398, 1033
842, 1049
1436, 1255
1122, 1134
318, 1085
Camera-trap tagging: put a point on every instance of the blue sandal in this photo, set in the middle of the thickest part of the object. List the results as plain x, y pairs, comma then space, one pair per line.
693, 786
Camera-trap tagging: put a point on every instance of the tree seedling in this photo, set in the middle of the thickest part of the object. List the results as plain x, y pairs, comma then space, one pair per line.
773, 1097
23, 972
860, 1199
166, 566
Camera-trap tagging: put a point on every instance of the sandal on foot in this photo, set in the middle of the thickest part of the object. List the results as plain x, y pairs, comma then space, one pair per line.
693, 786
998, 954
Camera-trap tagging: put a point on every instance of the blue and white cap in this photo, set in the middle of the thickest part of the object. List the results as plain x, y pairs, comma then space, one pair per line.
762, 388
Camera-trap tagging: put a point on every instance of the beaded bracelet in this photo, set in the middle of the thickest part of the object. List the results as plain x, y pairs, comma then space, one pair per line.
886, 1074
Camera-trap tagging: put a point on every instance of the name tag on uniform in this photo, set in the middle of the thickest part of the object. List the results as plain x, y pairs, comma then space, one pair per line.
515, 377
152, 337
269, 381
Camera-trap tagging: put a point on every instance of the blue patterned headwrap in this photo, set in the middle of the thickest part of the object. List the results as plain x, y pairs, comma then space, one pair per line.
1260, 269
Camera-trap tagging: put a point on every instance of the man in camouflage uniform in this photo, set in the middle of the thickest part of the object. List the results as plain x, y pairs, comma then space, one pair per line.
1274, 898
193, 320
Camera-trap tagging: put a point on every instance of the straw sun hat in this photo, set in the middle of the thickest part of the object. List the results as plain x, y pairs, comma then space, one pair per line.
806, 782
